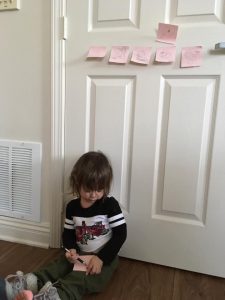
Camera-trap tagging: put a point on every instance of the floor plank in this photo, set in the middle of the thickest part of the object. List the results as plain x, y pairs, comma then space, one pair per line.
189, 285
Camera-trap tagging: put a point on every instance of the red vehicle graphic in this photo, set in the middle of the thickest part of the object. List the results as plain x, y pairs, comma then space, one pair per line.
85, 233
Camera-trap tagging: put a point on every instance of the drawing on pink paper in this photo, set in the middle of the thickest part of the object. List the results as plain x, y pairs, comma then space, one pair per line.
96, 52
167, 33
191, 56
165, 54
119, 54
141, 55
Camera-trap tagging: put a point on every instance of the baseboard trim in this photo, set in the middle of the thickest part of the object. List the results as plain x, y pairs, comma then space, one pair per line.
22, 232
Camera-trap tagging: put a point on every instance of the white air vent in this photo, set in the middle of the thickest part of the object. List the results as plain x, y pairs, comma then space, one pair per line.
20, 179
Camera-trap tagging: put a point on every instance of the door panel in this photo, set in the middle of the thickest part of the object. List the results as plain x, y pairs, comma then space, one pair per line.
187, 116
110, 109
161, 126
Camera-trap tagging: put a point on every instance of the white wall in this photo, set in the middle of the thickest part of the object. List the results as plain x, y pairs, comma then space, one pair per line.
25, 98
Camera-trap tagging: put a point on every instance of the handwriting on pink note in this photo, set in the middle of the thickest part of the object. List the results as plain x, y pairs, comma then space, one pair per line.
141, 55
119, 54
165, 54
167, 33
191, 56
96, 52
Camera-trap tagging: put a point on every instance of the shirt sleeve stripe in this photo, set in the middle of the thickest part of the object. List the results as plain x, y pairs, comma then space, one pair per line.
68, 226
117, 220
116, 217
68, 221
115, 224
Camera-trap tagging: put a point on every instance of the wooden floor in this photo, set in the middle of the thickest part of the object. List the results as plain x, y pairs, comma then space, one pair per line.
134, 280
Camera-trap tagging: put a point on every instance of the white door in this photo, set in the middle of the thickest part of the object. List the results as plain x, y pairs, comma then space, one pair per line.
162, 126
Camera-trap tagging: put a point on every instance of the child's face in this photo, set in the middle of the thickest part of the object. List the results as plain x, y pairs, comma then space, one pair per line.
89, 197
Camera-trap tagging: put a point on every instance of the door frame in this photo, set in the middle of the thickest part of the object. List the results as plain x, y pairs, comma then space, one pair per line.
58, 9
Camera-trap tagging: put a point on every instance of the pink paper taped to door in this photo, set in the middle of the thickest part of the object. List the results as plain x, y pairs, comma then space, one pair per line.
167, 33
191, 56
119, 54
141, 55
96, 52
165, 54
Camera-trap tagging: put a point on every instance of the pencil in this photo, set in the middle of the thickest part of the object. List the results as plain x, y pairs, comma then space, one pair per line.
79, 259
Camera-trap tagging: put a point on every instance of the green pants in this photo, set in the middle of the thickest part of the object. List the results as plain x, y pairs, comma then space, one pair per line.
72, 285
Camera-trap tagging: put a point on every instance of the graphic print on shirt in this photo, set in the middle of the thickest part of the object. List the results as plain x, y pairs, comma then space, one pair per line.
85, 232
92, 233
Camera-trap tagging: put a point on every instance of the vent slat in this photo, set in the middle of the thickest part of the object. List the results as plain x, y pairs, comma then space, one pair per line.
4, 196
23, 184
4, 188
21, 192
4, 169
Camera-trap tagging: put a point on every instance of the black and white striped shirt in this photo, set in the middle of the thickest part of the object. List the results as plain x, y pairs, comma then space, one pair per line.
100, 228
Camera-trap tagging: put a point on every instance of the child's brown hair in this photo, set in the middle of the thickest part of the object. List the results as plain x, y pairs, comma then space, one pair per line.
93, 172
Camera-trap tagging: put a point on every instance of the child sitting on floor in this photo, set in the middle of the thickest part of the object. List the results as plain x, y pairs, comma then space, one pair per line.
94, 225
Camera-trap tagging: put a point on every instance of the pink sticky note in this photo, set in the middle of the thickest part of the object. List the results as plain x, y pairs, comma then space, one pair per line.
191, 56
97, 52
165, 54
167, 33
141, 55
119, 54
78, 266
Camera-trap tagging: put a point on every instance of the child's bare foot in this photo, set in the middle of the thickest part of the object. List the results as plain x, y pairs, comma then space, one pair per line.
24, 295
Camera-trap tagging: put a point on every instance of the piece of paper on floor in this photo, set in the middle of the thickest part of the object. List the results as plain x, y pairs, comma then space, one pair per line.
191, 56
167, 33
141, 55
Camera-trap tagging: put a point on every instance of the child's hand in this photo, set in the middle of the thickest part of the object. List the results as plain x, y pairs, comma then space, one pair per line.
94, 266
71, 256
